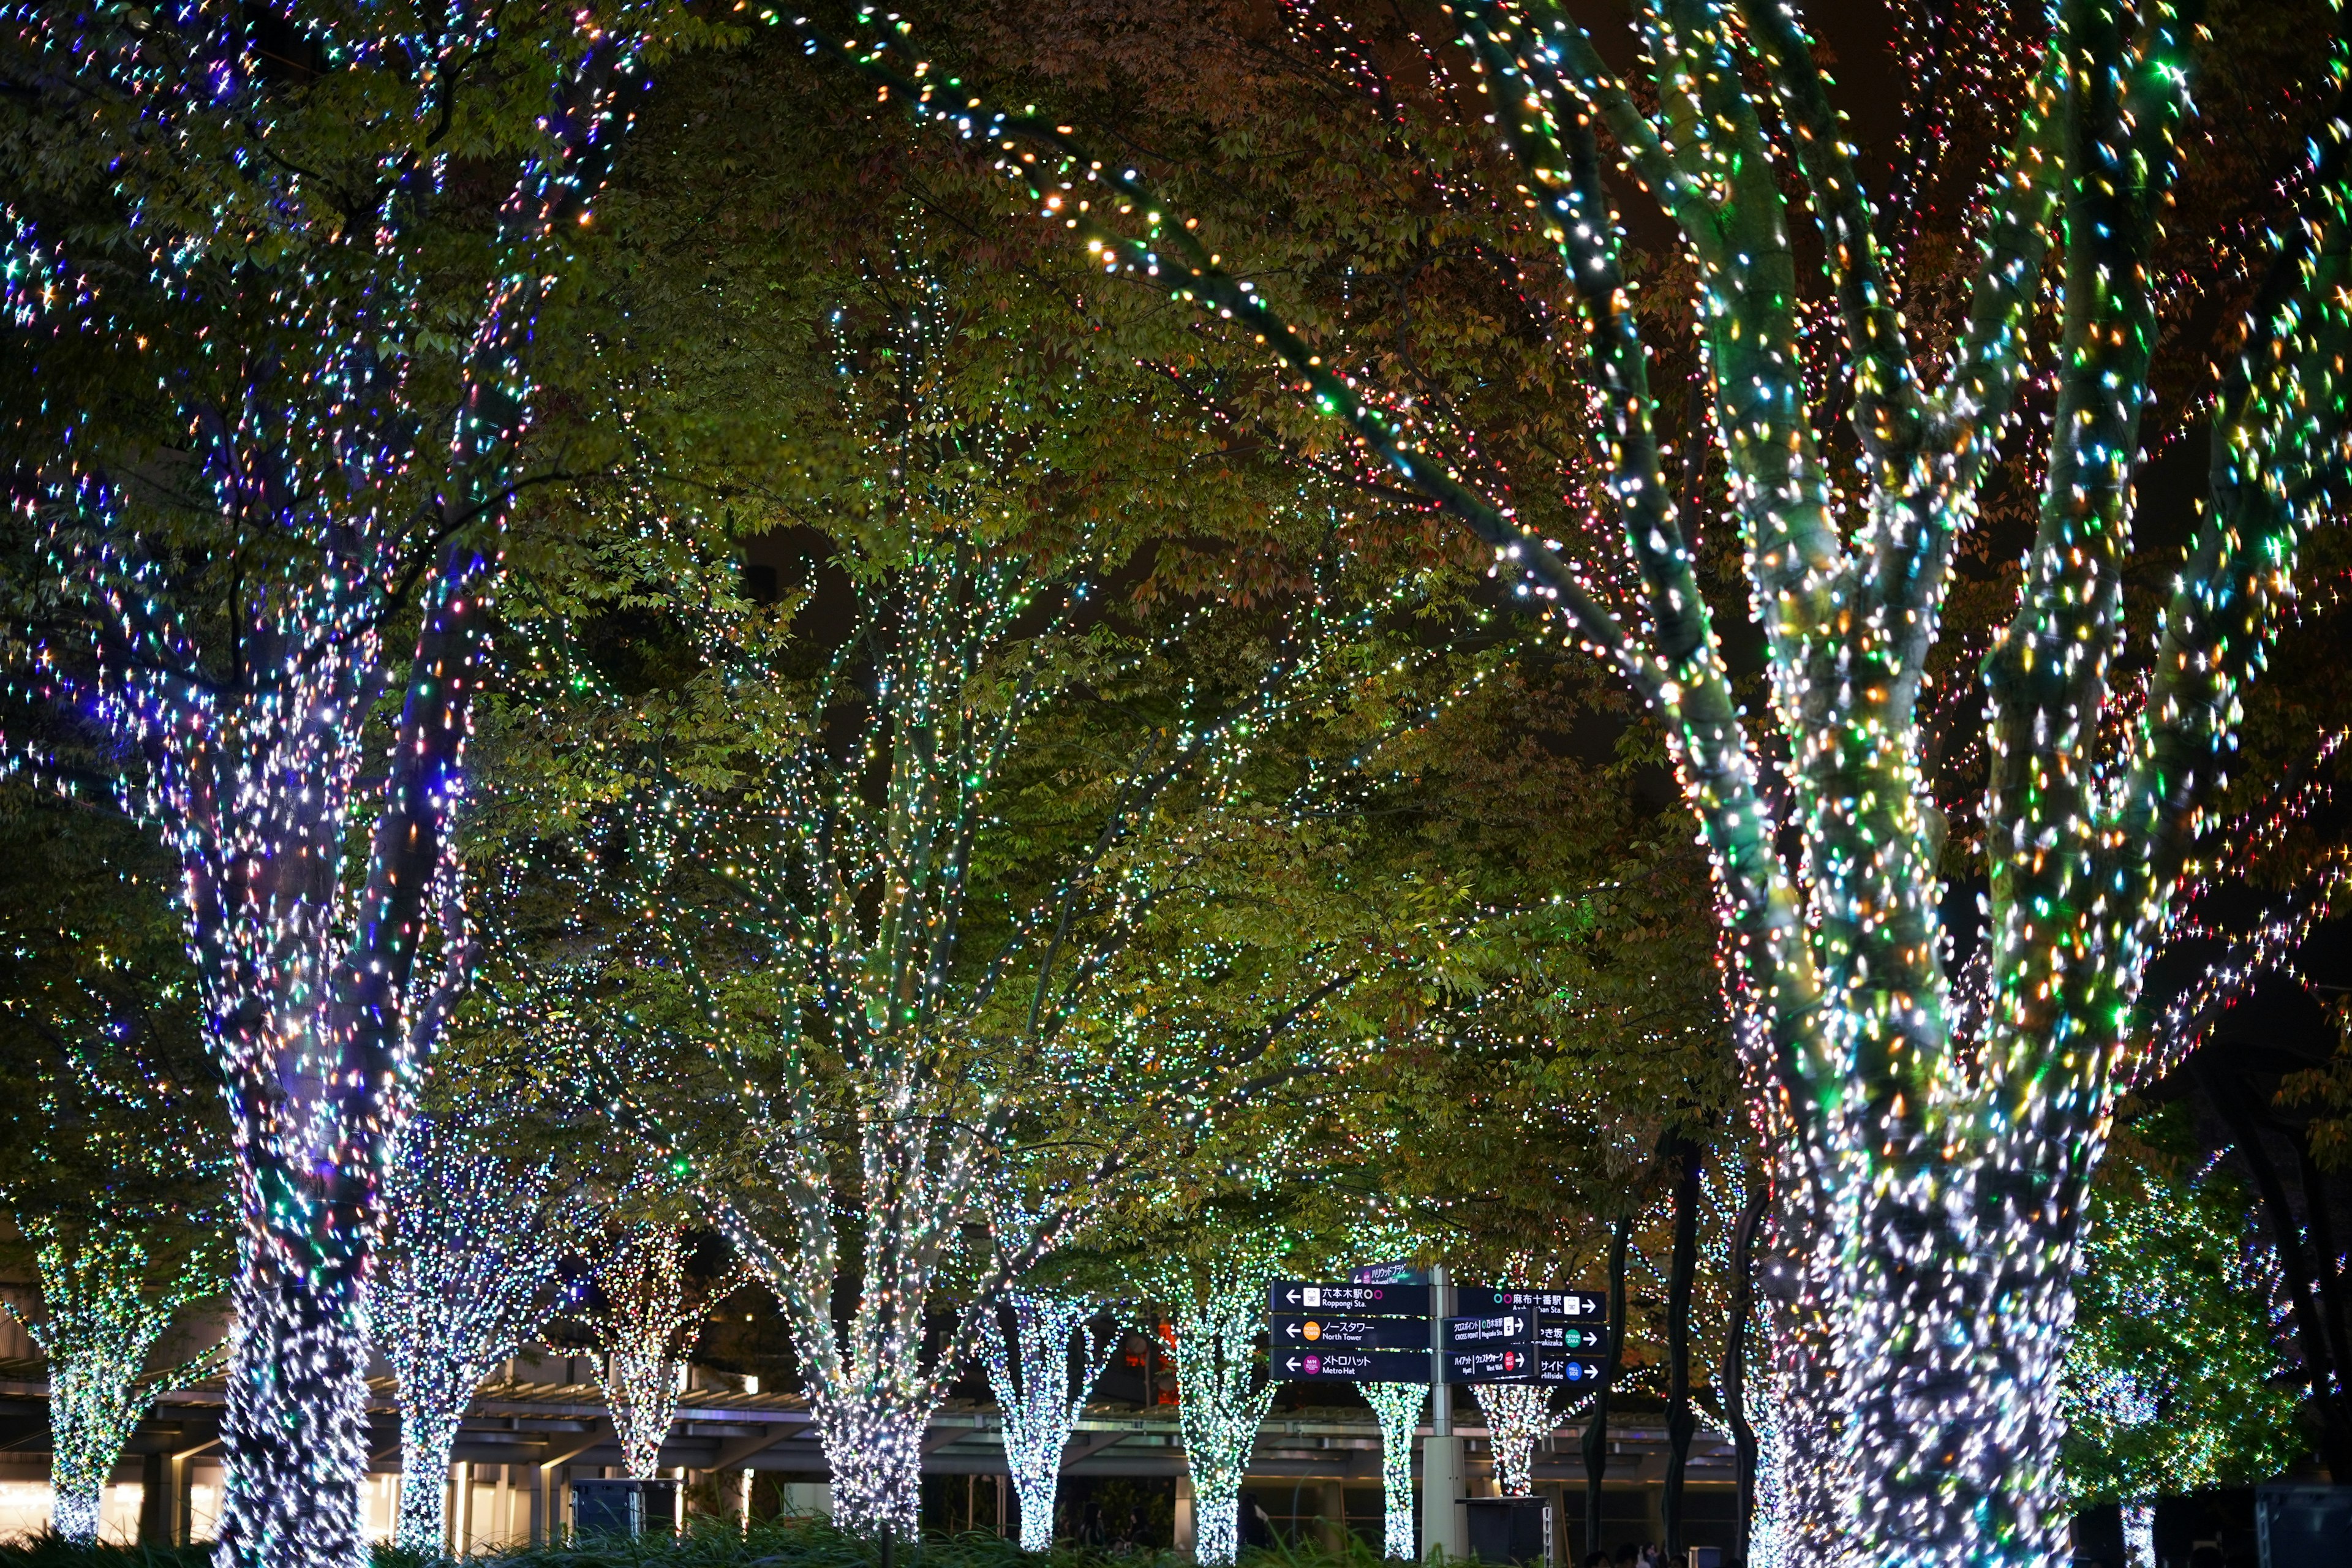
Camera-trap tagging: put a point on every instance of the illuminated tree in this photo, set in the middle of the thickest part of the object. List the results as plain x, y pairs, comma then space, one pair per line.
261, 211
1518, 1416
645, 1301
880, 855
1041, 1385
1216, 1306
1399, 1407
2174, 1381
1930, 1176
113, 1153
104, 1303
472, 1243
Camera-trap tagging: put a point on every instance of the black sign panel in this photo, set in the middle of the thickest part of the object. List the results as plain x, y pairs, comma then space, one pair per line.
1348, 1363
1576, 1306
1388, 1274
1554, 1335
1361, 1301
1574, 1371
1290, 1331
1499, 1348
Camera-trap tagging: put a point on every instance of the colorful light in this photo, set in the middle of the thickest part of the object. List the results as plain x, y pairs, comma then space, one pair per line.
1930, 1186
101, 1312
1399, 1407
471, 1250
1040, 1395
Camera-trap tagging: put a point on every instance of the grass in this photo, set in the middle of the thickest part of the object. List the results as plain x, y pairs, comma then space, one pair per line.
715, 1544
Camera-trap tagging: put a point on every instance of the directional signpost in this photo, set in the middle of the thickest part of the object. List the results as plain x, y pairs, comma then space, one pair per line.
1350, 1364
1288, 1332
1377, 1329
1576, 1306
1368, 1301
1568, 1369
1491, 1349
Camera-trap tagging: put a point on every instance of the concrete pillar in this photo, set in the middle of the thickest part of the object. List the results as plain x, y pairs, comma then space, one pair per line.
173, 1500
1331, 1523
1445, 1523
461, 1509
544, 1503
1187, 1537
154, 1501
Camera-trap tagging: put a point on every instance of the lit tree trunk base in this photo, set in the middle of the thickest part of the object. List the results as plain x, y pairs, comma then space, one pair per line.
1216, 1514
1953, 1331
1039, 1496
93, 1412
1029, 1371
426, 1440
296, 1431
877, 1456
1805, 1497
74, 1509
1518, 1415
1398, 1407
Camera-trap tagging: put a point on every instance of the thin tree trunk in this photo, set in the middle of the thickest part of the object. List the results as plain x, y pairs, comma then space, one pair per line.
94, 1408
2312, 1338
1596, 1431
427, 1438
1680, 1423
1734, 1367
2326, 1276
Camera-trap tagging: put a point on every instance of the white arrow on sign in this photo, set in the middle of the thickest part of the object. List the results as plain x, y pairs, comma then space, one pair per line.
1290, 1328
1293, 1294
1292, 1364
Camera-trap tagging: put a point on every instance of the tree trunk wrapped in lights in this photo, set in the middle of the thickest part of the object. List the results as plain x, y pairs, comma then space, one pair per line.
646, 1301
100, 1315
471, 1251
1399, 1407
2139, 1532
1930, 1179
1041, 1390
1216, 1306
244, 558
1518, 1416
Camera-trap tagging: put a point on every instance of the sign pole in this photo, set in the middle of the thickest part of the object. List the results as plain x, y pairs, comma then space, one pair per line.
1443, 1531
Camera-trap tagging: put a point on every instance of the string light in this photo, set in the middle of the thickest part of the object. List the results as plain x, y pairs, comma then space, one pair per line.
472, 1245
1039, 1397
1399, 1407
102, 1313
1928, 1186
